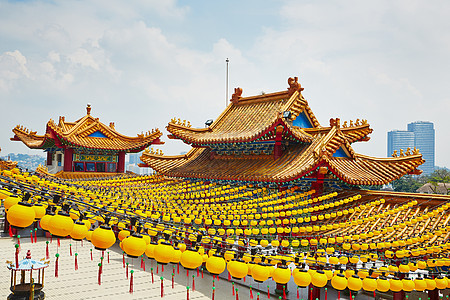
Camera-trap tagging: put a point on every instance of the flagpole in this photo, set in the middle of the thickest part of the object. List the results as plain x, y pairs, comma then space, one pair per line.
226, 93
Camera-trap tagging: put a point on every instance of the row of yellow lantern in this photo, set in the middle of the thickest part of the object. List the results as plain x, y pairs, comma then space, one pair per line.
62, 225
165, 253
233, 219
275, 243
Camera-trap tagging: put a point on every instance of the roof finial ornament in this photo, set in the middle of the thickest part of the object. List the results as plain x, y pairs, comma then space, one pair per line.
294, 86
88, 108
335, 122
237, 95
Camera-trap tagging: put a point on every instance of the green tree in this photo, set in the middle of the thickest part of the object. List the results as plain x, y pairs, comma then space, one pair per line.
440, 176
409, 183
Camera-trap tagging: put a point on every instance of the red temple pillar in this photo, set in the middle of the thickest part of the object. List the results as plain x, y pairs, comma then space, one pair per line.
121, 162
313, 292
49, 158
68, 157
433, 294
278, 150
318, 184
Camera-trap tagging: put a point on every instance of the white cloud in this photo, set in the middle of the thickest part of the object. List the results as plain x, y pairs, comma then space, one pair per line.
54, 56
13, 66
84, 58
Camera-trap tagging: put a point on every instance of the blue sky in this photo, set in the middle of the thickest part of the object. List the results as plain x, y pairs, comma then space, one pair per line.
141, 63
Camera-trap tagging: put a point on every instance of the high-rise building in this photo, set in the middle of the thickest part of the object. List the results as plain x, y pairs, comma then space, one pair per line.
424, 137
399, 139
421, 135
134, 158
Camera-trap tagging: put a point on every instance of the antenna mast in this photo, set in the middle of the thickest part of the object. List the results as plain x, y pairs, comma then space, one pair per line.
226, 93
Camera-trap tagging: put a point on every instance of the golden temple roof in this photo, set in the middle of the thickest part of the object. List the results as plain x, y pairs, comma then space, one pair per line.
306, 149
87, 132
247, 119
296, 162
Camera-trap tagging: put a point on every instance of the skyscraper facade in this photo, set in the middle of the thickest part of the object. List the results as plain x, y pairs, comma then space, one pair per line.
424, 137
399, 139
420, 134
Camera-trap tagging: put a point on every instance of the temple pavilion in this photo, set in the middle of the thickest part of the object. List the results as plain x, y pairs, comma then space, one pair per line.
86, 147
276, 139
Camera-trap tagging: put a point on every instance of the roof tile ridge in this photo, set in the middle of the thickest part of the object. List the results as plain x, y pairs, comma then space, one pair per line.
186, 128
262, 97
96, 125
295, 129
77, 125
25, 131
156, 133
293, 100
323, 141
390, 159
222, 115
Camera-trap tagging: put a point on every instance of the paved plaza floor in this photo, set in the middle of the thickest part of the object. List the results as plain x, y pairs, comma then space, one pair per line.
83, 283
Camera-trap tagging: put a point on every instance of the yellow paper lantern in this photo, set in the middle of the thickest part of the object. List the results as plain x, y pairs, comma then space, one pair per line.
134, 245
441, 282
123, 234
319, 279
191, 259
61, 225
408, 284
103, 237
420, 285
215, 264
282, 274
39, 210
383, 284
369, 284
150, 250
339, 282
396, 285
21, 215
79, 231
238, 268
260, 272
301, 277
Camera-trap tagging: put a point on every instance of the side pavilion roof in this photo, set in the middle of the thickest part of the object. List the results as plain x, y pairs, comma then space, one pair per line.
87, 132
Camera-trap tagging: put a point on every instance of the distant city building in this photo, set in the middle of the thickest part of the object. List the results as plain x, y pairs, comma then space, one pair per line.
421, 135
424, 141
134, 158
399, 139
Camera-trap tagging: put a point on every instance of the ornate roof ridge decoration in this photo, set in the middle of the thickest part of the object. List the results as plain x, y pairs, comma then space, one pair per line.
355, 133
78, 134
30, 138
247, 156
43, 170
237, 95
181, 132
247, 118
294, 86
306, 151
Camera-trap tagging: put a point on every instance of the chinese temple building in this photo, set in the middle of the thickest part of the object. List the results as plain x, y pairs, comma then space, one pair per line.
86, 147
275, 139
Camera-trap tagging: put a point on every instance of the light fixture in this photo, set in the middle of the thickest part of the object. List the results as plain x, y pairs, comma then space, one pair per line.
287, 114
